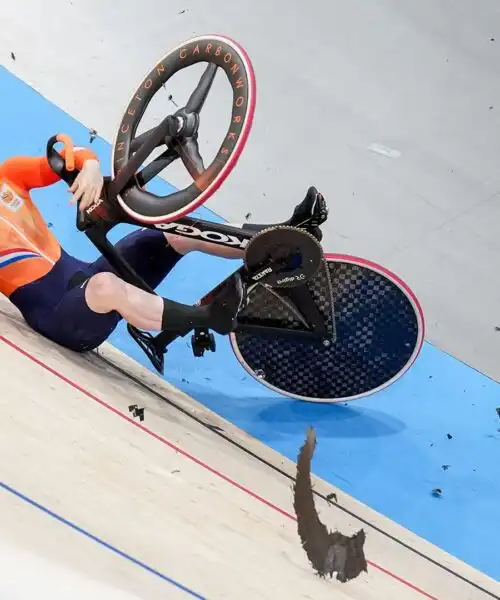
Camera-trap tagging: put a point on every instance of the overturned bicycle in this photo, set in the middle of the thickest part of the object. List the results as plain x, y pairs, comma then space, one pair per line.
315, 326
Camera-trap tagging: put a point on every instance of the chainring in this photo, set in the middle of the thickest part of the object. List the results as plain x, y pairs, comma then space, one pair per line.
283, 256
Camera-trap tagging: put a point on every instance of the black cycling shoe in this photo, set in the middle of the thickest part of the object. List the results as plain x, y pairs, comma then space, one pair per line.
310, 213
225, 305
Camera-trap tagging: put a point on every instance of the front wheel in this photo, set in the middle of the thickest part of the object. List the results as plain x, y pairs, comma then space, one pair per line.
177, 134
374, 328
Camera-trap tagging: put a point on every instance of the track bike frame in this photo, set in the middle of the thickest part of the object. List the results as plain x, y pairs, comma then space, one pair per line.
99, 219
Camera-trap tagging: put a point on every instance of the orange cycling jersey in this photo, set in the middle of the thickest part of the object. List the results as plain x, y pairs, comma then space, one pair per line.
28, 249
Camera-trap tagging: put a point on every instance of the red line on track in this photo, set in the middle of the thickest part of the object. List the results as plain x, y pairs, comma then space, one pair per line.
199, 462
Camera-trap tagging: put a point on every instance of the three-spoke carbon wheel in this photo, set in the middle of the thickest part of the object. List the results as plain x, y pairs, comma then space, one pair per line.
178, 132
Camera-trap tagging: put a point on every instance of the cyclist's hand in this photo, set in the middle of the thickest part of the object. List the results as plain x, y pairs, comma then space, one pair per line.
87, 187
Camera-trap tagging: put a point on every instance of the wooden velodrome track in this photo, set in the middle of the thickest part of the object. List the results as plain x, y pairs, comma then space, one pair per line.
97, 504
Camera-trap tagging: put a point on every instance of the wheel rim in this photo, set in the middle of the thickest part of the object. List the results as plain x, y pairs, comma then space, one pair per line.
221, 53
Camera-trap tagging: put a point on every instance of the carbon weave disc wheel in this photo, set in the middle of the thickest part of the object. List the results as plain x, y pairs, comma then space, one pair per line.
181, 131
375, 332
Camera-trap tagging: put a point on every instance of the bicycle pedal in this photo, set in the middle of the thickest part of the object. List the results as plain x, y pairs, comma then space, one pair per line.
201, 341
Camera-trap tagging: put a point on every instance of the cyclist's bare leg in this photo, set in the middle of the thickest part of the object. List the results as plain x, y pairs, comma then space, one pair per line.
105, 292
184, 245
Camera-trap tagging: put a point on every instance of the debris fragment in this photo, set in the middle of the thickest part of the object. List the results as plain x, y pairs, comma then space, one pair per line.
498, 411
175, 471
171, 98
328, 552
92, 134
136, 411
50, 225
13, 56
492, 39
445, 467
247, 216
491, 107
449, 436
332, 496
181, 12
437, 493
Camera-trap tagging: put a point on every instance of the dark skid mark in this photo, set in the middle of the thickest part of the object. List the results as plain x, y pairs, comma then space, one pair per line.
328, 552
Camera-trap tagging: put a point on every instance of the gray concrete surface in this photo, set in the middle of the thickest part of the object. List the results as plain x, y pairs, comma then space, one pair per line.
391, 108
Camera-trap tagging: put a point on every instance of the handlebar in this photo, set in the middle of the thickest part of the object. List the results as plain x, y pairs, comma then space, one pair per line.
65, 169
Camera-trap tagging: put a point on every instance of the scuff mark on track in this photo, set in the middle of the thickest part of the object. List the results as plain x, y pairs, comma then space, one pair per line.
328, 552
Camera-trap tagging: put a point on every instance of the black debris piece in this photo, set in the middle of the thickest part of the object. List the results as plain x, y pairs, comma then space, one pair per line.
497, 328
437, 492
449, 436
171, 98
92, 135
445, 467
175, 471
181, 12
13, 56
332, 496
136, 411
247, 216
498, 411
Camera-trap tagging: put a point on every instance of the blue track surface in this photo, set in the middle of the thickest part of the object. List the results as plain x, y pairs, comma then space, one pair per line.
388, 451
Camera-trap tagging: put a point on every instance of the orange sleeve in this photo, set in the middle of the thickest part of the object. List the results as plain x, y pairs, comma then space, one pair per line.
34, 172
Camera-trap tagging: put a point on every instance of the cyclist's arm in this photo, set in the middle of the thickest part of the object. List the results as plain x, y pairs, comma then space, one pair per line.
34, 172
